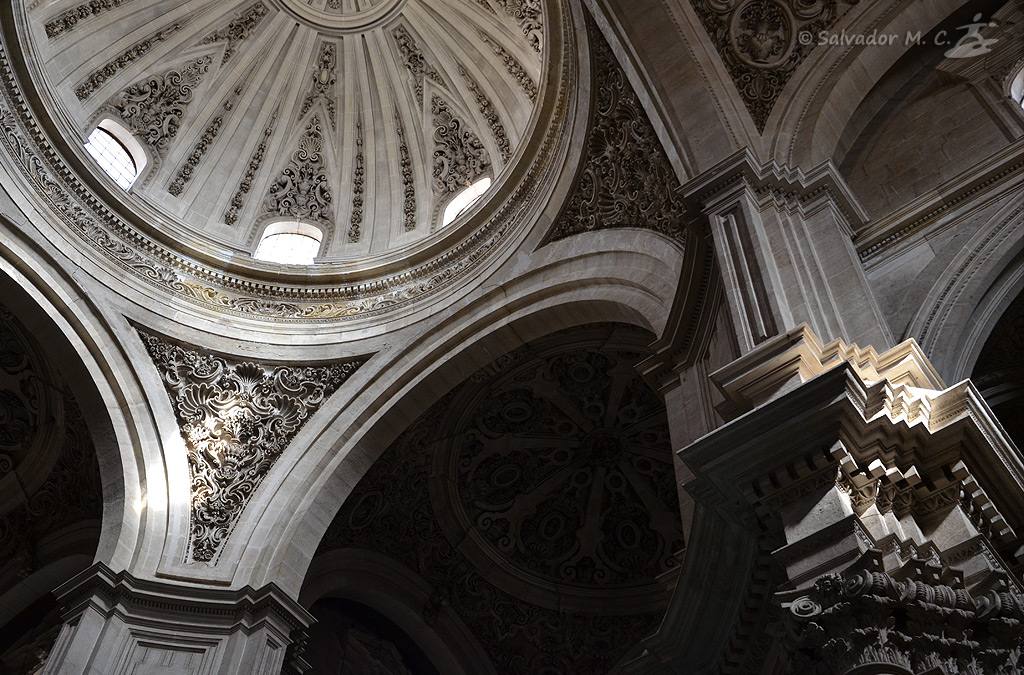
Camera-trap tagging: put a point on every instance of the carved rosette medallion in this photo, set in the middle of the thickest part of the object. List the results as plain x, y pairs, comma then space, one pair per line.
762, 42
236, 419
537, 499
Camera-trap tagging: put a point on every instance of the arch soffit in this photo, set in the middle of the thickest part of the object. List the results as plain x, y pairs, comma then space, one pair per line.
822, 98
968, 298
80, 338
564, 286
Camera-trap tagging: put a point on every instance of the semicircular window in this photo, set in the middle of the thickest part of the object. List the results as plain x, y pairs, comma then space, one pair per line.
292, 243
465, 199
109, 146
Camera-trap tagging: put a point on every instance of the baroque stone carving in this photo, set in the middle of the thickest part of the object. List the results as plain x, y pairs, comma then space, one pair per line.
487, 110
236, 419
529, 15
414, 61
153, 109
69, 19
324, 79
514, 68
408, 186
238, 30
212, 129
20, 394
245, 185
358, 179
924, 622
627, 180
137, 50
763, 41
459, 156
482, 440
302, 190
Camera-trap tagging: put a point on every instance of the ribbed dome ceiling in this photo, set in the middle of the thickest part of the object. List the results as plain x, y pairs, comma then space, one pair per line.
363, 117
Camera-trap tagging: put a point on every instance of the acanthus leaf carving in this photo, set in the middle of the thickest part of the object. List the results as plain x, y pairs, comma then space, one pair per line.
487, 110
236, 419
238, 30
255, 161
154, 108
324, 79
414, 61
459, 156
129, 56
529, 16
358, 185
302, 191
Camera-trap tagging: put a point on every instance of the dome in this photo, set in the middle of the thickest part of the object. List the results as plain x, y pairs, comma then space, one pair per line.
361, 118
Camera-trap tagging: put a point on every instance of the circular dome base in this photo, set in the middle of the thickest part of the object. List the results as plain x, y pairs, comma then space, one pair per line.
335, 18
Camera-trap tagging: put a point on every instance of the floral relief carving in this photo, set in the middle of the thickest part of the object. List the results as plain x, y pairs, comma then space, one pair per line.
236, 419
408, 186
763, 41
487, 110
358, 185
238, 30
514, 68
133, 53
68, 20
459, 156
627, 180
324, 78
154, 108
492, 440
245, 185
529, 16
186, 172
414, 61
21, 395
302, 191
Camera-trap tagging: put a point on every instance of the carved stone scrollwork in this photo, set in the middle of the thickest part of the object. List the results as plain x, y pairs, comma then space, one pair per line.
487, 110
358, 184
154, 108
303, 191
760, 42
459, 156
627, 180
415, 62
408, 185
68, 20
245, 185
550, 467
139, 49
236, 419
324, 78
514, 68
529, 15
919, 624
238, 30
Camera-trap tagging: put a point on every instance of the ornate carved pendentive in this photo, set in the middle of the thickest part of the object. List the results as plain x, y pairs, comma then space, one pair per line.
534, 498
153, 109
626, 180
763, 41
414, 61
238, 30
324, 79
236, 419
137, 50
71, 492
302, 191
459, 156
529, 16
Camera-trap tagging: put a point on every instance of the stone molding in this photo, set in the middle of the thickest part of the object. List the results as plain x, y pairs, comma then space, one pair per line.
199, 622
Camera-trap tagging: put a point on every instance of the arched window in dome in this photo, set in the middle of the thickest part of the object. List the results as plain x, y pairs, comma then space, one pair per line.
464, 200
289, 243
1017, 87
117, 152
